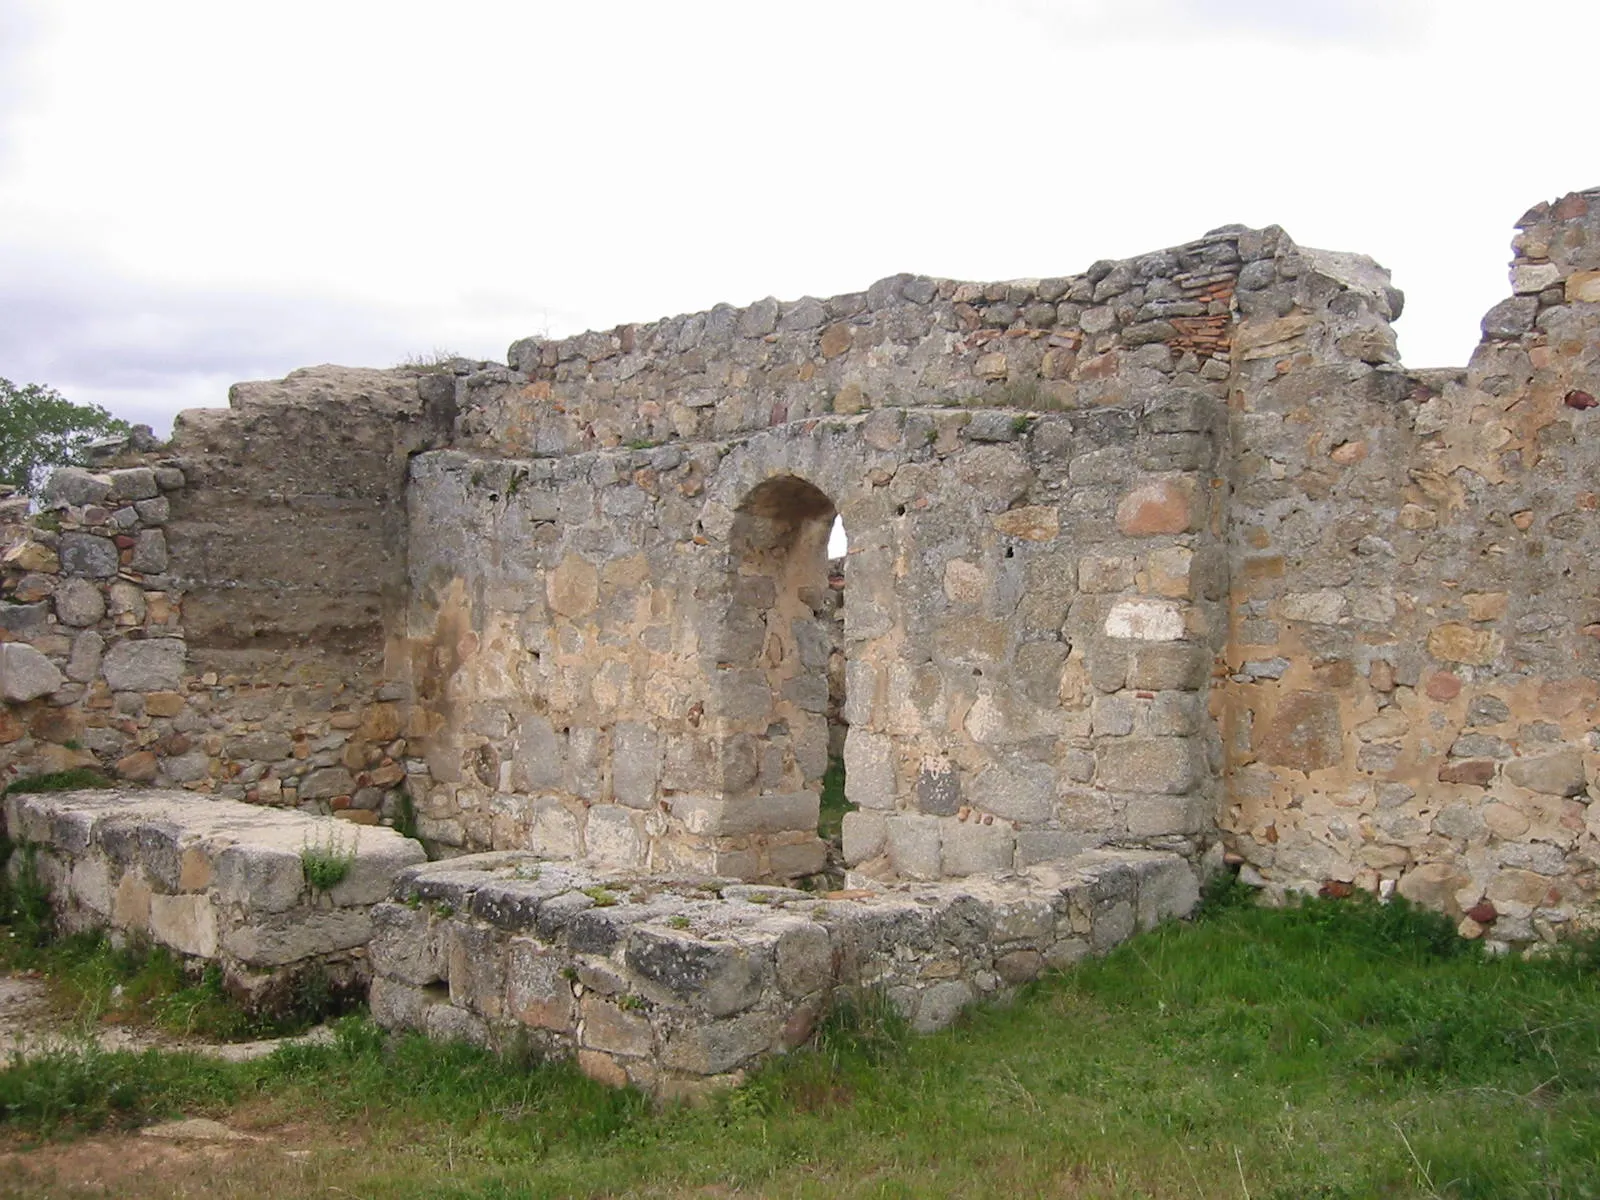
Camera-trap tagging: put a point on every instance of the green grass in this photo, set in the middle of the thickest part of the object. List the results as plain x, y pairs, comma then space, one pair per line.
830, 816
59, 781
1339, 1049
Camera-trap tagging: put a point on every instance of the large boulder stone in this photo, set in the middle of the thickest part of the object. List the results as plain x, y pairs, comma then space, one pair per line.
74, 486
1557, 774
151, 665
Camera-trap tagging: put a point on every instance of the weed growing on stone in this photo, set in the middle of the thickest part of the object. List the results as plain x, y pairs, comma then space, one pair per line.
602, 896
327, 863
678, 922
434, 362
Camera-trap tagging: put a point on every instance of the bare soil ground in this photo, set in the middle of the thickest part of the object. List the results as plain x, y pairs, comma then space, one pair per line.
195, 1157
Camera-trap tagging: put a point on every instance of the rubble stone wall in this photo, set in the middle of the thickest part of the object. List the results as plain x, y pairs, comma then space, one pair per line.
1173, 552
1413, 652
620, 642
212, 614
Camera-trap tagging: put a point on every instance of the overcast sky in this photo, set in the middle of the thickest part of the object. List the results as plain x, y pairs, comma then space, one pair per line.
193, 193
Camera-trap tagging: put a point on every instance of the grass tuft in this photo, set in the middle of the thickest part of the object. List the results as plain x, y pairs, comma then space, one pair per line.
60, 781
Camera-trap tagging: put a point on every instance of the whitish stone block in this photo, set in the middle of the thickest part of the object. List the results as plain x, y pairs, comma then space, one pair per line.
188, 924
914, 846
865, 835
1527, 278
973, 848
869, 769
610, 836
1024, 792
1145, 620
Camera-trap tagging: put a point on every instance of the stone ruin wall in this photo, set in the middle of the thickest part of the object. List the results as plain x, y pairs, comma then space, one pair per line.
213, 614
1170, 553
620, 655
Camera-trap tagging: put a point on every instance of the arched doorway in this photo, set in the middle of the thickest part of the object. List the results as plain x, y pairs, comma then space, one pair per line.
780, 644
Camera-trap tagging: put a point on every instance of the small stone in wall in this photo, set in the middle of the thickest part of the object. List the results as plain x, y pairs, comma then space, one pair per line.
1459, 643
1442, 686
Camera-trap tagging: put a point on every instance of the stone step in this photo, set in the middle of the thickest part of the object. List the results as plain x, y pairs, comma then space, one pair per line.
211, 879
675, 984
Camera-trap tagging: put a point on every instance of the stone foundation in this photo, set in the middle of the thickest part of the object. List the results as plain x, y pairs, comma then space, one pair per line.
676, 984
215, 881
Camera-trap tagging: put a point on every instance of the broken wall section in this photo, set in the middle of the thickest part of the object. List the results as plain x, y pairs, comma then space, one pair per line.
1107, 336
212, 614
1415, 670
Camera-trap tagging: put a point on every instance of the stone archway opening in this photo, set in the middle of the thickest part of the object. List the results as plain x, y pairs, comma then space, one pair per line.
788, 601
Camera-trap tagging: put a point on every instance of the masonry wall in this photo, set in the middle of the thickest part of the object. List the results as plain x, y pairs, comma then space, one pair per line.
1173, 552
1413, 647
1027, 475
212, 614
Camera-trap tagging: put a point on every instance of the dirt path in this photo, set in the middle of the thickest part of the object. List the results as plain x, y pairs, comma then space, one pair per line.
189, 1157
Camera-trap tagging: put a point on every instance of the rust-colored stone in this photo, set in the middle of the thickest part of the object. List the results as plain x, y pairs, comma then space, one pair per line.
1305, 734
138, 767
1442, 686
1161, 506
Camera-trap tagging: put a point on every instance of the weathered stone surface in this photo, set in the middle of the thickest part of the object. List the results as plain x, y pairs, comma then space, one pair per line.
1557, 774
1162, 506
25, 674
1464, 644
87, 555
1164, 765
74, 486
79, 603
151, 665
1434, 885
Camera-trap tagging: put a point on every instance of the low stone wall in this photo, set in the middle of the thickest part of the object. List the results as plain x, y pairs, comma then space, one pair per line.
675, 985
216, 880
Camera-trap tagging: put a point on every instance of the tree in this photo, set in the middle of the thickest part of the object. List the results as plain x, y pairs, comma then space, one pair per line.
41, 429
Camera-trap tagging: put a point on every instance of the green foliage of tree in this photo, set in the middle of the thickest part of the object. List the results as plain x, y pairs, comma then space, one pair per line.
41, 429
